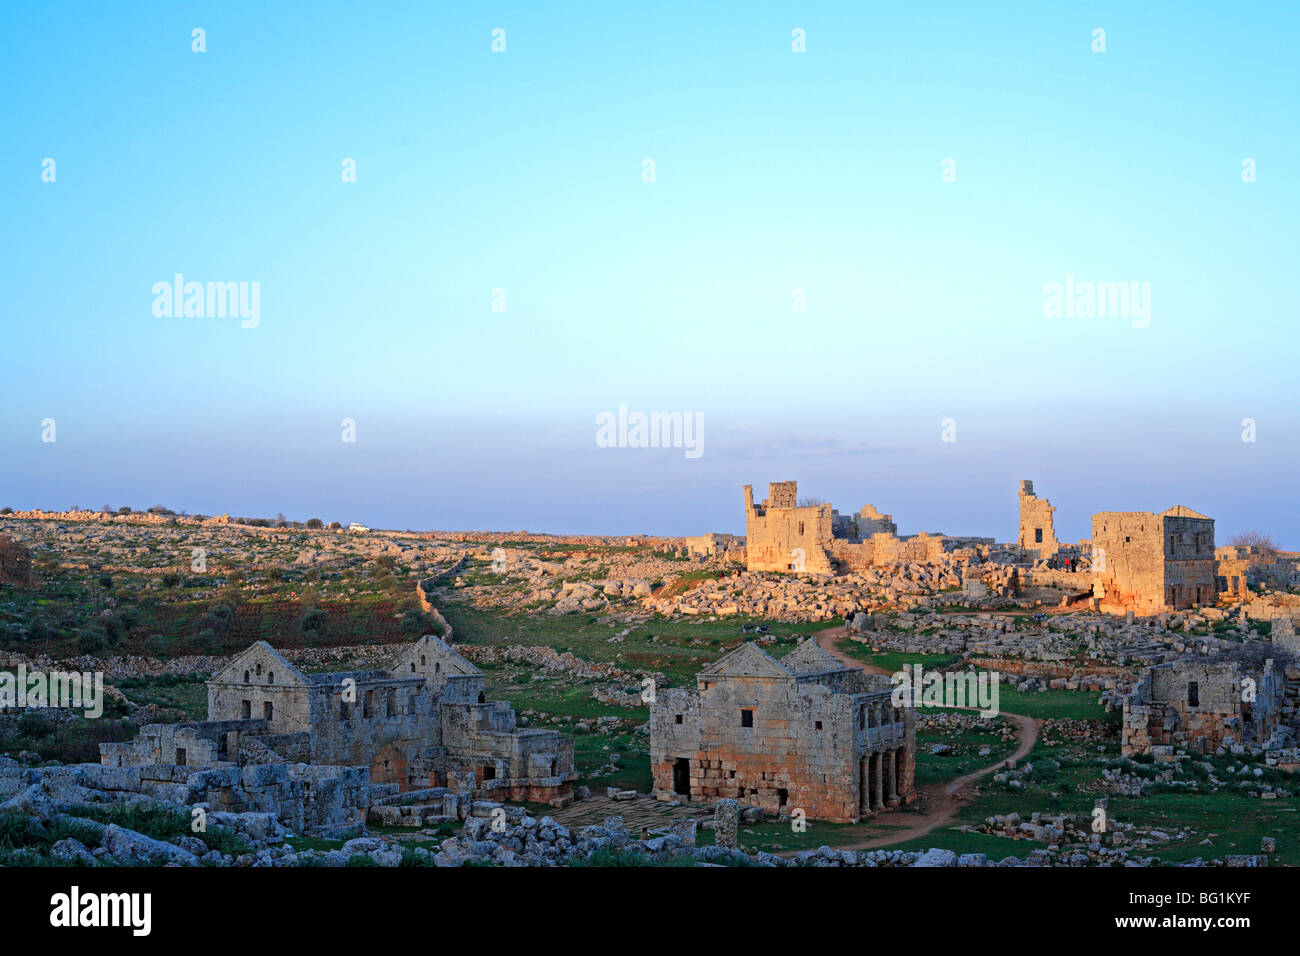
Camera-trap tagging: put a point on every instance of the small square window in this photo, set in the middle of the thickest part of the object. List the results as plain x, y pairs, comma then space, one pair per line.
679, 718
818, 725
747, 718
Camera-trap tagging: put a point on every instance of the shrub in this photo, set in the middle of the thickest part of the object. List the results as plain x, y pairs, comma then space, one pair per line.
15, 561
416, 623
209, 641
92, 640
313, 625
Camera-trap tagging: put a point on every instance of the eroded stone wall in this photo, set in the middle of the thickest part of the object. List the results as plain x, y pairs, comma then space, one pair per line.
1037, 530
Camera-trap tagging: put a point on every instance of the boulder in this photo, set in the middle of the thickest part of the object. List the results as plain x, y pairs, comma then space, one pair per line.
132, 847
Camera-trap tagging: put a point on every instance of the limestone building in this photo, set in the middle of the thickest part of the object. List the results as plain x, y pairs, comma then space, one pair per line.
804, 733
1150, 563
1198, 707
782, 535
425, 721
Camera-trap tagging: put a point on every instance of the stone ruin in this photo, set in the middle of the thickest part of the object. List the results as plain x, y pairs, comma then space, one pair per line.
317, 749
1037, 532
803, 733
1150, 563
1138, 561
1199, 707
714, 545
782, 535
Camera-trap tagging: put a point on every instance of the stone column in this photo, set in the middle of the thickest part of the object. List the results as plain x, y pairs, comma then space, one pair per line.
726, 823
891, 778
878, 783
864, 798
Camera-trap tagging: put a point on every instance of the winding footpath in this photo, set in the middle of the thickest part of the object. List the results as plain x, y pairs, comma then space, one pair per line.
942, 801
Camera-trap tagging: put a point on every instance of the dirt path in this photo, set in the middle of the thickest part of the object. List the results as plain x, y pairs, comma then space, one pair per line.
941, 800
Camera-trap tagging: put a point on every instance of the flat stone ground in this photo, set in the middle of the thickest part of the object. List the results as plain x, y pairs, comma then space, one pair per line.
644, 811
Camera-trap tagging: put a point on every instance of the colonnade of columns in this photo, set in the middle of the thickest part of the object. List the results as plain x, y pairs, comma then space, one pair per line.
880, 777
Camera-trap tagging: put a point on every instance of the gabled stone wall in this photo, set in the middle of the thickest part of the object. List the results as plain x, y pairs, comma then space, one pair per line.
827, 744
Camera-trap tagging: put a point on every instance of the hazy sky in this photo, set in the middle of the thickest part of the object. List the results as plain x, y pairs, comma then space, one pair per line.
774, 171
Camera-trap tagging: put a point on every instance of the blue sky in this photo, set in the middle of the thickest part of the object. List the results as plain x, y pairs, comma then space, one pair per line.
775, 171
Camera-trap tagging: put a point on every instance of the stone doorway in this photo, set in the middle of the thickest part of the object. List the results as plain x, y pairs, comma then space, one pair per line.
682, 776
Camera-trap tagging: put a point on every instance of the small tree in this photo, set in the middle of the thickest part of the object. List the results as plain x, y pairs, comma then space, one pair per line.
15, 562
315, 524
313, 625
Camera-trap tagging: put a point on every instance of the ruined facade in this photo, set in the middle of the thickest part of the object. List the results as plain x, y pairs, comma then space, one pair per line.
1149, 563
783, 536
1198, 707
1037, 533
801, 733
1240, 568
423, 723
715, 545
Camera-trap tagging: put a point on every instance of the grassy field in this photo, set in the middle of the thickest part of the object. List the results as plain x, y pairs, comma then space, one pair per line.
676, 648
1056, 704
964, 757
